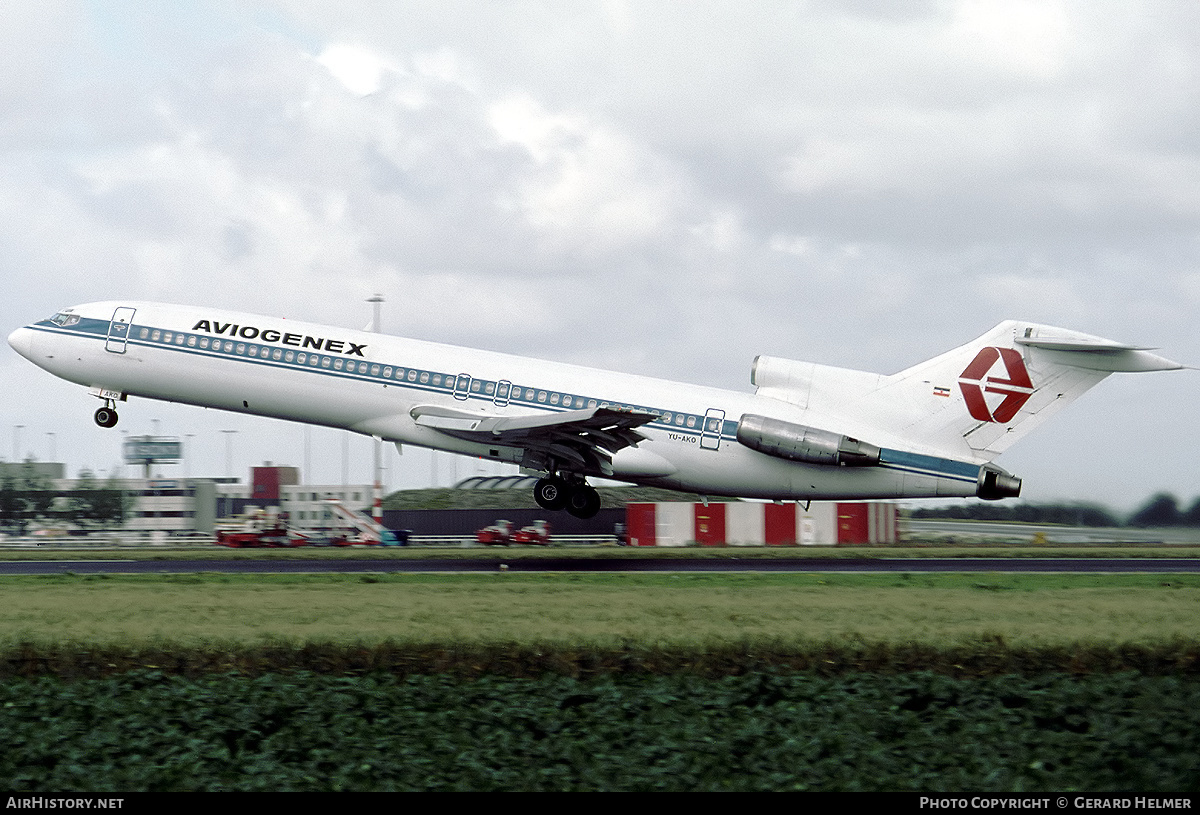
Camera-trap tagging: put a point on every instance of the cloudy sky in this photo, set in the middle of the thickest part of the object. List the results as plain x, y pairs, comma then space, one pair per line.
661, 187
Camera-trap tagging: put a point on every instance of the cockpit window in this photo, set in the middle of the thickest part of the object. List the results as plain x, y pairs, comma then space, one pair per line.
64, 319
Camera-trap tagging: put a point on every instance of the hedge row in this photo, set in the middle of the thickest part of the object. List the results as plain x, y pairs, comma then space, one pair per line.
763, 731
984, 657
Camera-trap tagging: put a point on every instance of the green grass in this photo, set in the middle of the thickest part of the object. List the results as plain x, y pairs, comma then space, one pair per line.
599, 610
907, 550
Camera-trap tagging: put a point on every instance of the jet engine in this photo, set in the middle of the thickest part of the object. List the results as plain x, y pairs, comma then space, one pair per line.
797, 442
995, 484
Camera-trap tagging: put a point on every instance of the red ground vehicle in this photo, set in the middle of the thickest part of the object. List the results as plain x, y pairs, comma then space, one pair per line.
501, 534
260, 529
498, 534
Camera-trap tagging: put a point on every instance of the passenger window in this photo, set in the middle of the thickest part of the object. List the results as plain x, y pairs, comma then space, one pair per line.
145, 333
277, 354
412, 376
241, 349
324, 362
691, 421
204, 342
156, 336
337, 365
301, 358
387, 372
374, 370
191, 341
554, 398
168, 337
289, 356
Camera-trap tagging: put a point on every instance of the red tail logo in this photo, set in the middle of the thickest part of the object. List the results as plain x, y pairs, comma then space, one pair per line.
975, 382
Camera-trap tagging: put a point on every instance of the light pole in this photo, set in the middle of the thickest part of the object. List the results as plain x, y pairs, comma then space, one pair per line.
17, 428
229, 452
377, 492
376, 301
187, 462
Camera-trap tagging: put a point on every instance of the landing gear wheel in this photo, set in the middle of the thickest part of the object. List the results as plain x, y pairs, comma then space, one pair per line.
106, 417
551, 493
584, 502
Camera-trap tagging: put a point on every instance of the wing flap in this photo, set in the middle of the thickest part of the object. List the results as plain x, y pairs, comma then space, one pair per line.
575, 439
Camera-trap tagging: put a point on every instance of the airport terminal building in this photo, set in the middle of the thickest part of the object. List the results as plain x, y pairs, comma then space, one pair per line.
162, 507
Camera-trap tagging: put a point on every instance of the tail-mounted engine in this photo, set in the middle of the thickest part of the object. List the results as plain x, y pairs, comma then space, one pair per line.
797, 442
995, 484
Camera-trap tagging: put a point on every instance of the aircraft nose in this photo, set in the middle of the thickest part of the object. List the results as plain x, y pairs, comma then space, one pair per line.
21, 341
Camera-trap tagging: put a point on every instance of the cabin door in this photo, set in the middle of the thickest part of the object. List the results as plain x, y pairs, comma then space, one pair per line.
714, 423
118, 330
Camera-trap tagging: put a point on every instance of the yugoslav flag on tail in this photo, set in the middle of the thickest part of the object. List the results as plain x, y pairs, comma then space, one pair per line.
977, 400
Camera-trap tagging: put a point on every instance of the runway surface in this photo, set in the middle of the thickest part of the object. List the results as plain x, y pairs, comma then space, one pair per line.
550, 564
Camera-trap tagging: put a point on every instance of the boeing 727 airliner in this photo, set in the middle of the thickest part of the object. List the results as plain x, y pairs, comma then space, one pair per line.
808, 432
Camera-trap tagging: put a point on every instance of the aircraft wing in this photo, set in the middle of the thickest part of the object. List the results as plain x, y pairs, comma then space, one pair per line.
576, 439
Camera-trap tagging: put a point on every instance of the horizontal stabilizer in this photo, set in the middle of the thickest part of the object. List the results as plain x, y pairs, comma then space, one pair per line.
1097, 354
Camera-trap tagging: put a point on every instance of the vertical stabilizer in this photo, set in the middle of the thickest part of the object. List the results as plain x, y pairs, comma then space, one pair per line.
977, 400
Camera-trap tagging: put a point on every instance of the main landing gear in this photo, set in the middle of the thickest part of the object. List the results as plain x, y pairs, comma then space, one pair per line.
573, 495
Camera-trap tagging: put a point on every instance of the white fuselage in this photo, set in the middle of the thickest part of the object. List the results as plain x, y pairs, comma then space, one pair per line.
370, 384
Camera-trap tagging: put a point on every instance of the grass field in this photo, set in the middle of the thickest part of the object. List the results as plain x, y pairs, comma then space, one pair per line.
602, 610
499, 553
510, 681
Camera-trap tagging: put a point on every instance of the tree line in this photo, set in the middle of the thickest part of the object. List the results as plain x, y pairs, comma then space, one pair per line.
29, 499
1162, 509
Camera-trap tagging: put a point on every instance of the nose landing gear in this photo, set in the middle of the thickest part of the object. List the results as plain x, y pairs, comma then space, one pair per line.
106, 417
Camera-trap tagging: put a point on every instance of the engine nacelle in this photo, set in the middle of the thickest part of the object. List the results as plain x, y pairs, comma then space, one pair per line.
995, 484
797, 442
777, 372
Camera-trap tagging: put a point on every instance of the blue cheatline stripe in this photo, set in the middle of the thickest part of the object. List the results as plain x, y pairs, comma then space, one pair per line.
929, 465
